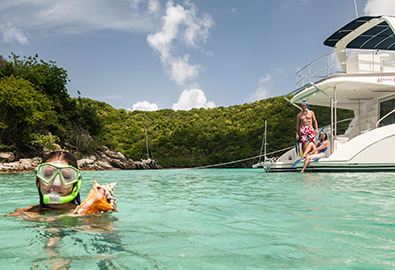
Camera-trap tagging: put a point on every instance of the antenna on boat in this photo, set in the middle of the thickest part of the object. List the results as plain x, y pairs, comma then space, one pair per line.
356, 8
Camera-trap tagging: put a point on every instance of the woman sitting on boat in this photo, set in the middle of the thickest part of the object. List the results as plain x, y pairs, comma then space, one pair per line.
315, 151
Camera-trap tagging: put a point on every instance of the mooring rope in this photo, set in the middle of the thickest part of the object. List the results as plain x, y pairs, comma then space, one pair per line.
261, 155
236, 161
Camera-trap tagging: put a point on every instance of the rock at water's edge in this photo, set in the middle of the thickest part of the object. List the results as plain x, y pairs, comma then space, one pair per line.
104, 160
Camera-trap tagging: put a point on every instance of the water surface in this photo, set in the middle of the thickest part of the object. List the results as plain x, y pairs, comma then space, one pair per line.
211, 219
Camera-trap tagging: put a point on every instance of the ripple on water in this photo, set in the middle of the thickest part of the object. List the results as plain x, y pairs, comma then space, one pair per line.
214, 219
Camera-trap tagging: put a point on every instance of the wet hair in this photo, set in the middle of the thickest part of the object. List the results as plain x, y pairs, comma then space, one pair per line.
71, 160
62, 155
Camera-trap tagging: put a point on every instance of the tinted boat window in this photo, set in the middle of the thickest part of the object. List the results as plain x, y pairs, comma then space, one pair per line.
386, 107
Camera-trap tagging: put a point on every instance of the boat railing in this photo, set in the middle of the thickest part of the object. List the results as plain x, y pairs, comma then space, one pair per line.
354, 61
327, 128
382, 118
320, 68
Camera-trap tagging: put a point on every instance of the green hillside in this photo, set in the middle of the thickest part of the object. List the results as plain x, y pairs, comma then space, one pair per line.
36, 110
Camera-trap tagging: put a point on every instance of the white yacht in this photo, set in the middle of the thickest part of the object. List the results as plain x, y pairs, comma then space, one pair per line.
359, 75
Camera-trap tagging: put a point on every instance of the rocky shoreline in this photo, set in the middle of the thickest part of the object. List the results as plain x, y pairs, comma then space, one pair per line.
105, 159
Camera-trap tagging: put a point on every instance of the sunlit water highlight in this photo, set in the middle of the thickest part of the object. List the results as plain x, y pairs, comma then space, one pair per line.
211, 219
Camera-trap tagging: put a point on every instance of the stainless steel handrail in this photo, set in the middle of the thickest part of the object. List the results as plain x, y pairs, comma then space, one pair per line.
300, 78
331, 65
382, 118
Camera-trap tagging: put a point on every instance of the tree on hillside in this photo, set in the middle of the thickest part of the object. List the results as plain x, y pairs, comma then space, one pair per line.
23, 111
48, 78
36, 109
75, 123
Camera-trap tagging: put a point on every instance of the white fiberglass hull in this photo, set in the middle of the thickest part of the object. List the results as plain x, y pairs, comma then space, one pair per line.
322, 166
325, 166
371, 151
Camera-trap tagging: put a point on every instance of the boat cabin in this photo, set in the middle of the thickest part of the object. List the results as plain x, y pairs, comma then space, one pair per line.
359, 75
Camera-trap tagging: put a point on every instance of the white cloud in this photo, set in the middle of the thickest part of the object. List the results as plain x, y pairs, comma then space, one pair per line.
193, 98
152, 6
11, 34
181, 70
75, 16
262, 90
181, 26
380, 7
145, 106
232, 10
265, 79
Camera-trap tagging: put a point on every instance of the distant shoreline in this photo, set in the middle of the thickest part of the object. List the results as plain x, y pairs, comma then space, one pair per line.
104, 160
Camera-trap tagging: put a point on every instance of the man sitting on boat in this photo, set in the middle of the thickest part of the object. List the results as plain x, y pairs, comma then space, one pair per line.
316, 151
304, 125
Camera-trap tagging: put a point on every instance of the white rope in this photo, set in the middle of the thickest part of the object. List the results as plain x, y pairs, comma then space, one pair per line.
236, 161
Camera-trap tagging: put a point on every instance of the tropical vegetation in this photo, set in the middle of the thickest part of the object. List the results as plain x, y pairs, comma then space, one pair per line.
36, 111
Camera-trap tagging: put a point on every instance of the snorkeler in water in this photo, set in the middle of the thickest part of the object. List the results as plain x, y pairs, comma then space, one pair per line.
58, 181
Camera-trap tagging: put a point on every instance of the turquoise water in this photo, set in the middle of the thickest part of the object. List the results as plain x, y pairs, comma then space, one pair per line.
211, 219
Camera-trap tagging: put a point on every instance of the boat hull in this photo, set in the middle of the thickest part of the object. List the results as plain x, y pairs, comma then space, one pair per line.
371, 151
279, 167
332, 167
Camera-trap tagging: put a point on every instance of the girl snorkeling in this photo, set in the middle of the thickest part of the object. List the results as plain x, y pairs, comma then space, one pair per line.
58, 181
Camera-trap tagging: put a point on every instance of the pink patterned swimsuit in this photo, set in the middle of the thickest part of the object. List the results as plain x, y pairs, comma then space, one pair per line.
307, 134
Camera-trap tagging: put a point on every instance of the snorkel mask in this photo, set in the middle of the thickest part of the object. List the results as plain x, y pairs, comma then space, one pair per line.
68, 175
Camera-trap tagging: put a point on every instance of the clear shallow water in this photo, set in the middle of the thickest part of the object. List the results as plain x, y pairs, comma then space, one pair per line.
211, 219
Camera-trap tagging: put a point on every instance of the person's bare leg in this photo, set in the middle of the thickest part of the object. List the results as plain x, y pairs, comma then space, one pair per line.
310, 148
306, 163
309, 158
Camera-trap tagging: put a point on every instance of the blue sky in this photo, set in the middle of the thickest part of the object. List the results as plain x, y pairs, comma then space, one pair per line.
159, 54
